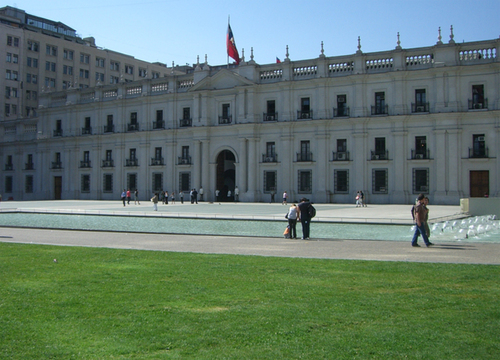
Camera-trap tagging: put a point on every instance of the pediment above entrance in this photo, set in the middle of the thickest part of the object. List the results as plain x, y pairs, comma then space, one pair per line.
223, 79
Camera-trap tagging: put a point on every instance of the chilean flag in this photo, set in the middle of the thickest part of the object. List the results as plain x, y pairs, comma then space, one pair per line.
231, 45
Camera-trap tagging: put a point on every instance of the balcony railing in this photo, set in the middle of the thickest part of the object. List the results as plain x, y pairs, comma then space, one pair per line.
58, 132
341, 156
341, 112
420, 107
56, 165
133, 127
85, 164
109, 128
380, 155
301, 114
156, 161
131, 162
86, 131
225, 119
108, 163
304, 156
272, 158
9, 167
160, 124
270, 116
478, 153
420, 155
477, 105
380, 110
185, 122
184, 160
29, 166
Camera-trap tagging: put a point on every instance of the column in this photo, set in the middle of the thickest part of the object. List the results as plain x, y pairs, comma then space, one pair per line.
241, 174
398, 171
197, 164
440, 166
252, 170
206, 175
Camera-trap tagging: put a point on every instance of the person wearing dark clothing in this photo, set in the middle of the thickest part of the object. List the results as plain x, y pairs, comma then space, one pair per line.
305, 218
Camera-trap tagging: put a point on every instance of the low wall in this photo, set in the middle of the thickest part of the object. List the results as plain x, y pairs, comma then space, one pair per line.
481, 206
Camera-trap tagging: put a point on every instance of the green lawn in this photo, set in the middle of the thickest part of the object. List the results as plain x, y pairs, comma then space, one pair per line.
125, 304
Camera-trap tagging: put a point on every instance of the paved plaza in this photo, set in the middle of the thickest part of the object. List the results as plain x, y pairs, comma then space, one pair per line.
442, 252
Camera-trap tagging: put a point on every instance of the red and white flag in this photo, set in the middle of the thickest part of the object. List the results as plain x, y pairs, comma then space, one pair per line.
231, 45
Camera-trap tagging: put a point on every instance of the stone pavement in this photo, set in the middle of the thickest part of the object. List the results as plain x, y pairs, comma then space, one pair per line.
442, 252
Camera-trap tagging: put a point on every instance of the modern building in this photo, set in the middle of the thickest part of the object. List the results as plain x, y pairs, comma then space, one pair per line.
392, 124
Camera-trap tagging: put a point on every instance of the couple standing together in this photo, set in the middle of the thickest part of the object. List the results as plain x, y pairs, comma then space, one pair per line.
300, 213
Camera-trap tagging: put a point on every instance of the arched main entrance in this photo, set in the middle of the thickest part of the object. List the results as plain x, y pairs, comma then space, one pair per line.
226, 174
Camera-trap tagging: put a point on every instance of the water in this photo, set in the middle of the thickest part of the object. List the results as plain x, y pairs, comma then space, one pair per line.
483, 229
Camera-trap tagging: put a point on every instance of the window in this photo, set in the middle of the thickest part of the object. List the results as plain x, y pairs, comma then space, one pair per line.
9, 58
85, 163
68, 54
342, 109
132, 181
270, 181
380, 151
114, 79
185, 152
50, 82
341, 145
84, 74
67, 70
107, 183
156, 75
133, 118
109, 154
12, 41
28, 184
51, 50
226, 111
142, 72
271, 114
8, 184
184, 181
305, 109
341, 181
29, 162
379, 181
132, 153
84, 58
305, 151
186, 113
305, 182
157, 182
50, 66
15, 59
420, 181
159, 115
33, 46
478, 100
479, 149
158, 153
420, 151
420, 104
115, 66
99, 77
129, 69
270, 152
100, 62
109, 127
380, 106
85, 187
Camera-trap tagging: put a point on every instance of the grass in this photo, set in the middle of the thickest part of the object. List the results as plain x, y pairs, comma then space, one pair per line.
124, 304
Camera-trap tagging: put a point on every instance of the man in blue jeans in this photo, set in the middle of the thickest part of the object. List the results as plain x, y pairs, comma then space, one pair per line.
420, 213
305, 219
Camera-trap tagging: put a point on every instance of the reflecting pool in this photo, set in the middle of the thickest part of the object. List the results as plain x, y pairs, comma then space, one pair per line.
483, 229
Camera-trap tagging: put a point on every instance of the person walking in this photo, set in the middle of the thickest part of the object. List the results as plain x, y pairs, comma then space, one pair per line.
181, 195
285, 198
136, 197
420, 213
172, 197
305, 218
293, 215
124, 196
128, 197
236, 194
155, 202
195, 195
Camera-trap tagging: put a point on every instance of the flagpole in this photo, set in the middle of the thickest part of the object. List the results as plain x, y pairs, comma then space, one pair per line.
228, 24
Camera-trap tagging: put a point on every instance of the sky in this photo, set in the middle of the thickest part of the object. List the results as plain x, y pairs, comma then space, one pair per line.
179, 31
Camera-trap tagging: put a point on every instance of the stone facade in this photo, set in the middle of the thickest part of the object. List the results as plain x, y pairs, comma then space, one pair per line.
392, 124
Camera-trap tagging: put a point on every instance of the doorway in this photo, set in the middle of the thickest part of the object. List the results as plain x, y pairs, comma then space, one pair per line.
479, 183
57, 187
226, 174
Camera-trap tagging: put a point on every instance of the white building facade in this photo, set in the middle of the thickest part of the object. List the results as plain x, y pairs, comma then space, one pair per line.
392, 124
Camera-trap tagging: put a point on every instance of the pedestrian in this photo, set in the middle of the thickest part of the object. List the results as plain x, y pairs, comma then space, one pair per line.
172, 197
420, 213
358, 199
305, 217
191, 195
272, 196
229, 195
217, 193
236, 194
427, 228
181, 195
165, 198
195, 195
362, 197
285, 198
292, 216
124, 196
201, 193
128, 196
136, 197
154, 199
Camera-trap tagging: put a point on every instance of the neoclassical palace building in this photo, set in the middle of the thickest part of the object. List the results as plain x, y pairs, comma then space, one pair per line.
392, 124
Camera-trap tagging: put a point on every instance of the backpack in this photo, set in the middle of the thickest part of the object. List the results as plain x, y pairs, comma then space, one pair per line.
312, 211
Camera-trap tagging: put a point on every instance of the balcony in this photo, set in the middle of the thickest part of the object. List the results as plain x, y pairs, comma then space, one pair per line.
187, 122
341, 156
341, 112
477, 105
271, 158
420, 154
225, 119
131, 162
109, 128
133, 127
29, 166
85, 164
301, 114
58, 132
380, 155
380, 110
9, 167
304, 156
56, 165
184, 160
420, 107
480, 153
157, 161
270, 116
86, 131
108, 163
160, 124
